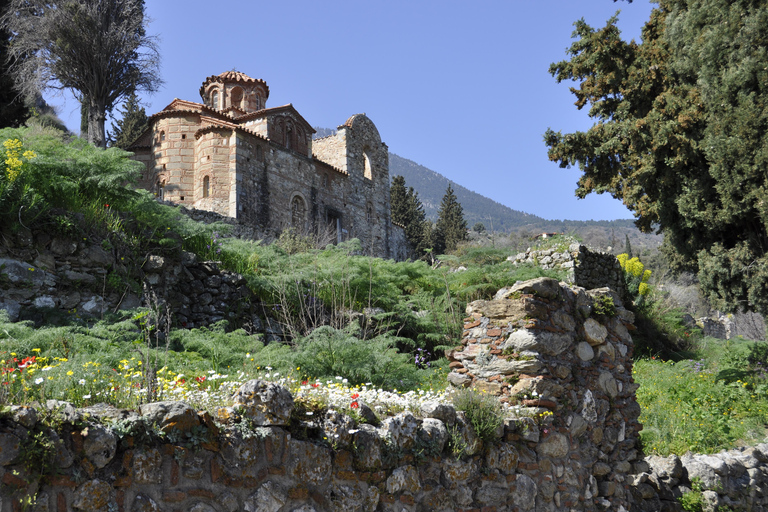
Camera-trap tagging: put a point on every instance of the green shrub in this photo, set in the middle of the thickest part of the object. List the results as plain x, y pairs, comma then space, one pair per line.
483, 411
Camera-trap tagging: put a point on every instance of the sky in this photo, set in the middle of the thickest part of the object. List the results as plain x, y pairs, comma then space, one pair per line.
460, 87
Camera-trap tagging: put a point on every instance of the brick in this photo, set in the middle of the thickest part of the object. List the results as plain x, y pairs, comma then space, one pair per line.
493, 333
61, 502
298, 493
216, 471
201, 493
174, 496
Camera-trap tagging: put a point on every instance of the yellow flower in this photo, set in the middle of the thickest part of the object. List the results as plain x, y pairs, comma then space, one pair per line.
70, 372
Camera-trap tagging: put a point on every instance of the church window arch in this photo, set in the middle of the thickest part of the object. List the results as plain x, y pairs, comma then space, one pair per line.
298, 212
367, 166
369, 213
236, 97
215, 98
206, 186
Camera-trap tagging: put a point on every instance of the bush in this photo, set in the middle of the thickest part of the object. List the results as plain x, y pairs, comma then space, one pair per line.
483, 411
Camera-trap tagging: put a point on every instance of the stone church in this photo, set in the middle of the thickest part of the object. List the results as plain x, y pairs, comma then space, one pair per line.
234, 156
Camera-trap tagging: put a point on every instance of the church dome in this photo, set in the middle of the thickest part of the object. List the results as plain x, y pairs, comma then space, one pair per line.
234, 89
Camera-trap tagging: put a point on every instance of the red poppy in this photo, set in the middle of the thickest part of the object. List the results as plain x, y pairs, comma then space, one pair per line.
315, 385
200, 379
355, 396
304, 382
354, 405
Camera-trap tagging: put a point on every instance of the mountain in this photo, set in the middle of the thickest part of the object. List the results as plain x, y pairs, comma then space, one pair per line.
431, 187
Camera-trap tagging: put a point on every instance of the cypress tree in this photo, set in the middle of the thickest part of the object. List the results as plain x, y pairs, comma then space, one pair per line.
451, 226
133, 124
408, 211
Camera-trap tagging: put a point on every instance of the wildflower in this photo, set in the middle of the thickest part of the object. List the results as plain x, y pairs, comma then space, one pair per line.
39, 380
354, 405
81, 382
86, 397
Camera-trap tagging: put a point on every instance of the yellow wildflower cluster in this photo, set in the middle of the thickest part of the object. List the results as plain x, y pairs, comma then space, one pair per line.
13, 158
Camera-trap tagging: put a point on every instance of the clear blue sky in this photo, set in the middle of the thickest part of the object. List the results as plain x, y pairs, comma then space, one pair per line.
460, 87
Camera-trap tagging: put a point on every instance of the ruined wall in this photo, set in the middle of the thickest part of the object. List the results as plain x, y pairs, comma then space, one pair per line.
586, 268
568, 443
44, 277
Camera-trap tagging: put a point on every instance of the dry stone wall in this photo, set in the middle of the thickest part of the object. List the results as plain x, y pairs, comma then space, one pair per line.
568, 442
586, 268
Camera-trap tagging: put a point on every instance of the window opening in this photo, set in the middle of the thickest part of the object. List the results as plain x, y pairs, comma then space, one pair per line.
206, 186
297, 212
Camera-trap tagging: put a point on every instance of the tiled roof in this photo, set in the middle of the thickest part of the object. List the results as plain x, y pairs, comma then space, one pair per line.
234, 76
329, 166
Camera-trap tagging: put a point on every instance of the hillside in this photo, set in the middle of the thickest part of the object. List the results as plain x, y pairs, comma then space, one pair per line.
431, 187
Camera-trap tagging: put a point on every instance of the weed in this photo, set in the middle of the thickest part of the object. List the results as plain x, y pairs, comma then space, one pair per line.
483, 411
693, 500
456, 443
603, 305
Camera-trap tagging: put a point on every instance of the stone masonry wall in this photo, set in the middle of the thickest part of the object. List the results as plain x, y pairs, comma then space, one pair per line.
568, 443
586, 268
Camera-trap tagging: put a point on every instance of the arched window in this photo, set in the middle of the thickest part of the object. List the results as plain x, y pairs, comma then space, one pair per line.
215, 99
236, 97
298, 211
289, 135
369, 213
162, 136
206, 186
368, 171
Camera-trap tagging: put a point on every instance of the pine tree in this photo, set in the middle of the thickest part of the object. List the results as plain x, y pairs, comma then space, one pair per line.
627, 246
680, 131
451, 226
133, 123
408, 211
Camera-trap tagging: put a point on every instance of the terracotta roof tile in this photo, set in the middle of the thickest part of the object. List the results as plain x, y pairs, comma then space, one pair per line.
233, 76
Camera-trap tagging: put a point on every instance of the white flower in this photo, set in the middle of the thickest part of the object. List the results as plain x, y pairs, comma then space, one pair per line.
86, 397
81, 382
309, 413
354, 430
38, 380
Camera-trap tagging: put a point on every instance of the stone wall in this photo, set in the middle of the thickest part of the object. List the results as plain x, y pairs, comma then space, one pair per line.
568, 442
44, 277
729, 480
586, 268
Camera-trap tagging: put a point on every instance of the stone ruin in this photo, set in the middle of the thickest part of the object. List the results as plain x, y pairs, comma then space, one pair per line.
559, 356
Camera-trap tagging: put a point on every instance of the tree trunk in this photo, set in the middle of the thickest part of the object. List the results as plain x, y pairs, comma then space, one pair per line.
97, 115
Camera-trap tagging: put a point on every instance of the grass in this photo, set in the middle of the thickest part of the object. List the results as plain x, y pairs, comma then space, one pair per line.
715, 401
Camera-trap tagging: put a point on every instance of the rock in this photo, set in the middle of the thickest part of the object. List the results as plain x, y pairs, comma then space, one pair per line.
541, 286
93, 496
154, 263
44, 301
608, 384
438, 410
265, 403
469, 440
585, 351
99, 445
368, 447
666, 467
170, 416
491, 494
457, 471
269, 498
594, 332
12, 309
546, 342
554, 446
24, 416
93, 306
144, 503
400, 430
337, 427
148, 467
524, 493
21, 273
404, 479
308, 462
10, 448
459, 380
433, 434
504, 457
80, 277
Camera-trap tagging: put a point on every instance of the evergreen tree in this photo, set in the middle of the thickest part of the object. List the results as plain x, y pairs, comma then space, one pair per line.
408, 211
134, 122
451, 227
627, 246
681, 127
13, 111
